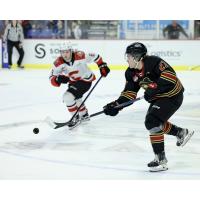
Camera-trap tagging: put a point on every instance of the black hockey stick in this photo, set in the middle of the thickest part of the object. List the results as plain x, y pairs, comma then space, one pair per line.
84, 100
57, 125
123, 105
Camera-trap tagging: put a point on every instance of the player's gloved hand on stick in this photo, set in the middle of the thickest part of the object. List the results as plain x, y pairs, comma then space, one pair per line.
62, 79
110, 109
104, 69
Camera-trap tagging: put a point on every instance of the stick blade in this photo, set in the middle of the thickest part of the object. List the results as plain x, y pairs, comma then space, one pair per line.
50, 122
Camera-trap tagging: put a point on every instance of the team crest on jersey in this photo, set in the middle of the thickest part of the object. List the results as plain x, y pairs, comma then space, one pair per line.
162, 66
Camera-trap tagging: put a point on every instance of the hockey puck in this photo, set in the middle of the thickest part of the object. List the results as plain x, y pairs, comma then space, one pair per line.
36, 130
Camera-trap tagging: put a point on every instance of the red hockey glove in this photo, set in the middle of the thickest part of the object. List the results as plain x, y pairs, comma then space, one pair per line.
104, 69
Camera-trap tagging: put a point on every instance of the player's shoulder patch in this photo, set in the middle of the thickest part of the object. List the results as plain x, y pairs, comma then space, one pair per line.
79, 55
59, 61
163, 65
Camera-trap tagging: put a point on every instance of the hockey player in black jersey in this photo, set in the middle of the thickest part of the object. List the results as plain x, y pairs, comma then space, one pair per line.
164, 92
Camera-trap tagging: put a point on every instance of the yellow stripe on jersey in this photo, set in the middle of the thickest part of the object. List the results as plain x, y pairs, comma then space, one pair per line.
169, 76
129, 95
178, 87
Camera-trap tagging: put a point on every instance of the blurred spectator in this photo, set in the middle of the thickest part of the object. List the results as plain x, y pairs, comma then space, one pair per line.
197, 29
77, 31
85, 27
73, 25
33, 33
3, 24
47, 33
52, 25
14, 37
173, 31
26, 25
60, 33
70, 34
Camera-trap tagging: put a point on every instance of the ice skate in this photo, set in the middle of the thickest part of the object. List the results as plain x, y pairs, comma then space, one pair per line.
85, 117
183, 137
159, 163
20, 67
75, 122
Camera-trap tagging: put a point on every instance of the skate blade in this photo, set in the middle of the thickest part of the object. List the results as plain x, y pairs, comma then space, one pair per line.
70, 128
159, 168
85, 120
187, 138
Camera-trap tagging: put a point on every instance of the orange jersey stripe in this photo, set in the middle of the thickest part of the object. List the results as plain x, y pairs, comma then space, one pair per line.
167, 127
156, 138
168, 75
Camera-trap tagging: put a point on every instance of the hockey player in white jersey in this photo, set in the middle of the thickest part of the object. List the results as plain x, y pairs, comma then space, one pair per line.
71, 68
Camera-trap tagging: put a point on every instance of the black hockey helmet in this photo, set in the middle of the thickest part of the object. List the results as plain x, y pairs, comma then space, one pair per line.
137, 50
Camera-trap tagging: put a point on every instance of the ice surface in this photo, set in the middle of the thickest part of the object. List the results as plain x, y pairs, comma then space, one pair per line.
103, 148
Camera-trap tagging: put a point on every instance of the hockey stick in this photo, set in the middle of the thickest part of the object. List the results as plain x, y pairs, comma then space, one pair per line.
57, 125
85, 99
122, 105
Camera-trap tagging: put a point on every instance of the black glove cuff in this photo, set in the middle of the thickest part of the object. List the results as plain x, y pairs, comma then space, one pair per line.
62, 79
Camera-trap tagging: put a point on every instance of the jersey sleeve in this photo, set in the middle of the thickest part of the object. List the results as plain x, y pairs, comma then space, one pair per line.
56, 70
130, 90
168, 83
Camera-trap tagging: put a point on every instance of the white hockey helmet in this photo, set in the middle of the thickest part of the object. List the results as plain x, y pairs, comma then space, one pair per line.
65, 47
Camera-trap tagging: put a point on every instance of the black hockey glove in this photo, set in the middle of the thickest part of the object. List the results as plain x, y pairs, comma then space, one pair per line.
104, 69
110, 109
62, 79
